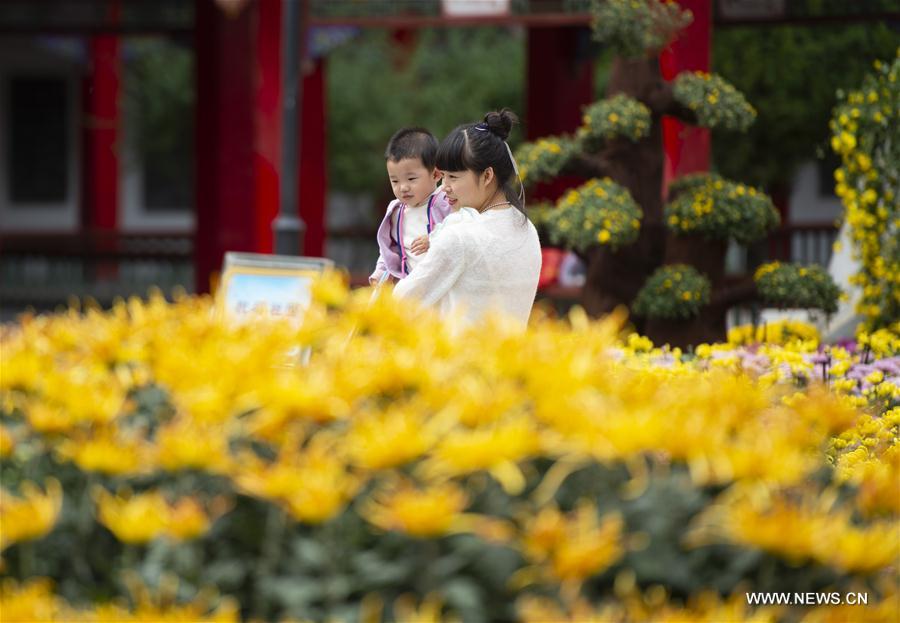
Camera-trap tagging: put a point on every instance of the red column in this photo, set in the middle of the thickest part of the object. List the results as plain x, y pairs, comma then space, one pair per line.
687, 147
313, 174
101, 171
238, 140
225, 190
267, 156
560, 84
238, 146
101, 158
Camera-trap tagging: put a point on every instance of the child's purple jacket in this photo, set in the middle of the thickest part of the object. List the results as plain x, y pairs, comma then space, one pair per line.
389, 248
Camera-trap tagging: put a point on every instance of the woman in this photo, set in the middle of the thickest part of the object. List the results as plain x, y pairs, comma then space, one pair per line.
492, 262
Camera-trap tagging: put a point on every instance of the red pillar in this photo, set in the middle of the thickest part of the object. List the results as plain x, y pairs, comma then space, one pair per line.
225, 190
238, 140
687, 147
267, 156
238, 146
560, 81
101, 172
313, 174
313, 170
100, 175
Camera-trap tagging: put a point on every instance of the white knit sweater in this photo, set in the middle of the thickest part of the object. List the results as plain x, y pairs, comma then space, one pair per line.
490, 263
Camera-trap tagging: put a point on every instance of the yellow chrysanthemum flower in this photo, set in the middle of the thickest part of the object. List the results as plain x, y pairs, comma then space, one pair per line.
427, 512
31, 515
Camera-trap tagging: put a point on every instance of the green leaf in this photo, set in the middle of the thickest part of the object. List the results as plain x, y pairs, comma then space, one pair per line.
292, 592
309, 552
379, 572
465, 596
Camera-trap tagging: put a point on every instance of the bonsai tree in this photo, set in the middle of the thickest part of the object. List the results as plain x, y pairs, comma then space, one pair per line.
665, 261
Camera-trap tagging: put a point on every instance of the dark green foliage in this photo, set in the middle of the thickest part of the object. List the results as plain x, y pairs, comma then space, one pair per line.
791, 74
452, 76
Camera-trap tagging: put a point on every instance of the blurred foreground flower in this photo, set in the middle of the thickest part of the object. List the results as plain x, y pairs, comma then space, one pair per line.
401, 457
30, 515
147, 516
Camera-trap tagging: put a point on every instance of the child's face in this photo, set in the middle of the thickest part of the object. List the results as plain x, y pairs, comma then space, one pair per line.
411, 181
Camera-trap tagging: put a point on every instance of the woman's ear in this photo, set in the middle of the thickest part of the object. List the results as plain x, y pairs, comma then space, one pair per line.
487, 176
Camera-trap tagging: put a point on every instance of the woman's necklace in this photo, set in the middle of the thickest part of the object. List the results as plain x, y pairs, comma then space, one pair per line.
494, 205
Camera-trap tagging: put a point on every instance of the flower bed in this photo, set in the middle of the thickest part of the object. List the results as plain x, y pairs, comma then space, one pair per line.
159, 464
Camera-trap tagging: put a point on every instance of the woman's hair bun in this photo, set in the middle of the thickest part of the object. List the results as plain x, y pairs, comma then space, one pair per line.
500, 123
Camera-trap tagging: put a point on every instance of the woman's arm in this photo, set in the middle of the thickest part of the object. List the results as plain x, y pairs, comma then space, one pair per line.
438, 271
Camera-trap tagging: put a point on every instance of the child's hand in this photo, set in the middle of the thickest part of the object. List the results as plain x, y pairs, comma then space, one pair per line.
419, 245
374, 281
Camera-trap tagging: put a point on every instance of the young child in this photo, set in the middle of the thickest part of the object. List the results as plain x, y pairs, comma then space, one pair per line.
418, 208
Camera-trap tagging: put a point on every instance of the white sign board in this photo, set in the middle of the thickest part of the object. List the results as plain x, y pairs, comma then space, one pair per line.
471, 8
257, 285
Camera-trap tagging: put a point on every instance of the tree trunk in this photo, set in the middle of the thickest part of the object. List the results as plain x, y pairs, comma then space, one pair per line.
708, 257
614, 278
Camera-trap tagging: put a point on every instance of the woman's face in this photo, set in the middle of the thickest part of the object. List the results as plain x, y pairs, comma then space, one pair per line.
466, 189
